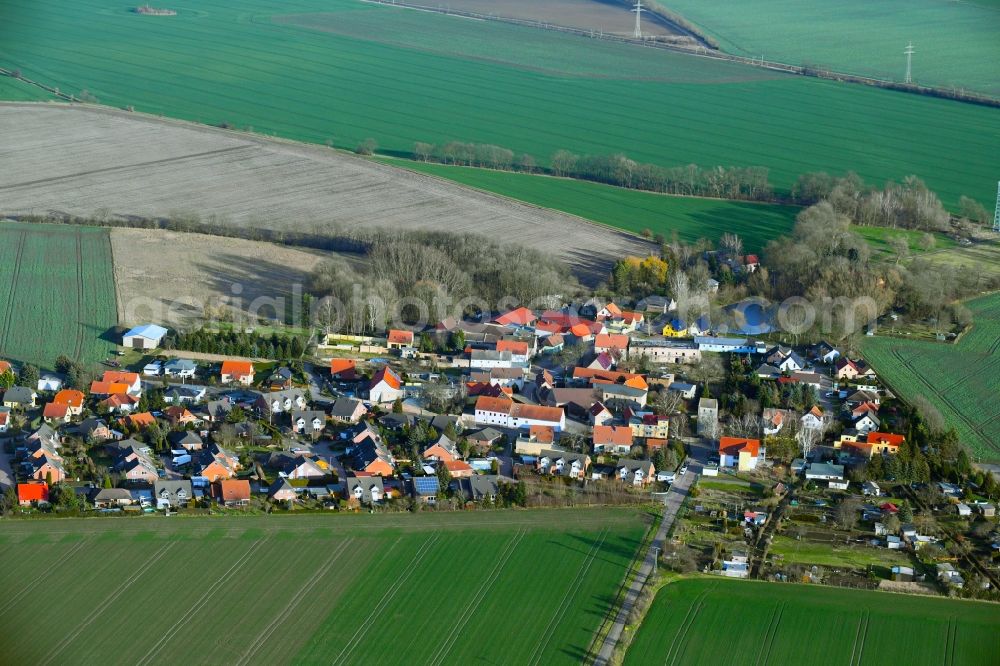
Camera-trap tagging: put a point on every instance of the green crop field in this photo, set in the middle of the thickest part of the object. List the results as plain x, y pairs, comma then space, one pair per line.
953, 377
731, 622
956, 42
14, 90
59, 293
432, 588
632, 210
343, 70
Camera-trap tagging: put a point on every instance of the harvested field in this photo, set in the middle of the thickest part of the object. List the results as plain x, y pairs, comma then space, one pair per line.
90, 161
166, 276
607, 16
426, 588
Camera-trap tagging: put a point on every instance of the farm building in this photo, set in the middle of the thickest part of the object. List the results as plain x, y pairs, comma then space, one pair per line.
147, 336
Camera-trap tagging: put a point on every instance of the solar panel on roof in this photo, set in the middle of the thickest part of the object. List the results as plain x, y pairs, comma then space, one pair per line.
426, 484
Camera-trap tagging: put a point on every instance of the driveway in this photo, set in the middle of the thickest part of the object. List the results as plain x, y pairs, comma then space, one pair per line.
316, 383
6, 471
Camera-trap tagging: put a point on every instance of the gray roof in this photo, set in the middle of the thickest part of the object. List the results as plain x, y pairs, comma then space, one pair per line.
365, 482
281, 483
708, 403
486, 435
344, 407
18, 394
308, 414
180, 364
110, 494
477, 487
174, 491
188, 438
632, 465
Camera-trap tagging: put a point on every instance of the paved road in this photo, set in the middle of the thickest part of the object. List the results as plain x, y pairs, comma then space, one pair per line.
678, 492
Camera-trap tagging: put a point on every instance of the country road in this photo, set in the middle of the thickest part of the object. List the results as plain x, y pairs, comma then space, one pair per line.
675, 498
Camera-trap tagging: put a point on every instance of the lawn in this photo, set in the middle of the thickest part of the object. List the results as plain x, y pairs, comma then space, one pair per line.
720, 621
834, 554
510, 587
690, 217
859, 37
60, 292
342, 71
878, 238
954, 377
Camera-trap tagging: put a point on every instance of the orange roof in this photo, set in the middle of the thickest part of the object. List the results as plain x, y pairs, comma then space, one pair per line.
610, 341
4, 367
632, 316
400, 337
580, 330
655, 443
513, 346
536, 412
142, 419
816, 411
234, 489
486, 403
117, 376
338, 365
885, 438
457, 466
616, 435
597, 376
543, 434
119, 399
55, 410
179, 412
517, 317
613, 310
108, 388
4, 417
733, 446
70, 397
389, 376
32, 492
237, 368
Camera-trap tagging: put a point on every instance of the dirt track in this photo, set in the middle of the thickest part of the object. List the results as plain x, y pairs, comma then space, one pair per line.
90, 161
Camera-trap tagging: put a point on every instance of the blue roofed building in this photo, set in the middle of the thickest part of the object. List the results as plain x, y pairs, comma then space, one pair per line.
425, 489
147, 336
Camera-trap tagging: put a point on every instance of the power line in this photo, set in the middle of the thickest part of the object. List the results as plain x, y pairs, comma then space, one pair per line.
638, 9
908, 52
996, 212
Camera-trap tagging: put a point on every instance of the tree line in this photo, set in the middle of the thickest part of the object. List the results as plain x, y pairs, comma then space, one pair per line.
236, 343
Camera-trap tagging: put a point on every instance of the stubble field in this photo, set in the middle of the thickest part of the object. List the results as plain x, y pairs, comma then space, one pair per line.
505, 587
316, 70
58, 293
168, 277
97, 162
720, 621
956, 378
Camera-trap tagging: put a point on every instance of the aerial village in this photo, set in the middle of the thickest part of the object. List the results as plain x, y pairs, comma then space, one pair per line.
786, 450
